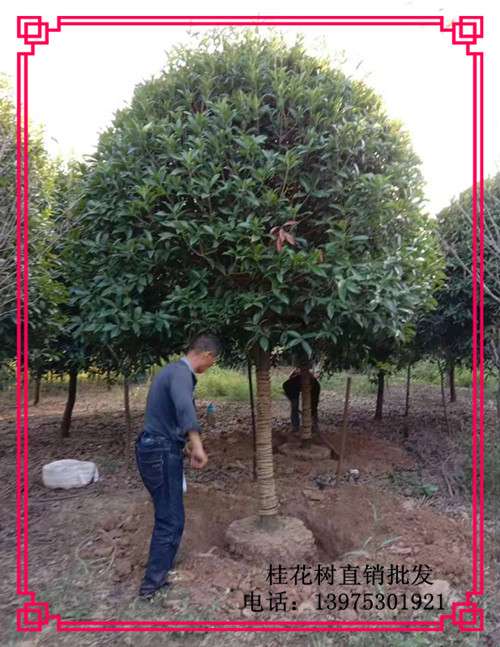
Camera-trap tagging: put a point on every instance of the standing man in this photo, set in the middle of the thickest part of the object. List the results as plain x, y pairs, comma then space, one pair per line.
170, 422
292, 389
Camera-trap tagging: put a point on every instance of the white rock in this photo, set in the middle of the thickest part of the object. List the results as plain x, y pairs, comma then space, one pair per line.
69, 473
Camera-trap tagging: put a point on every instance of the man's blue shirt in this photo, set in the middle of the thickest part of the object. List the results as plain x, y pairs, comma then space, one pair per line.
170, 411
186, 361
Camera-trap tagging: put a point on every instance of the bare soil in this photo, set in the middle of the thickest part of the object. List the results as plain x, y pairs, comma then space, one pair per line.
409, 506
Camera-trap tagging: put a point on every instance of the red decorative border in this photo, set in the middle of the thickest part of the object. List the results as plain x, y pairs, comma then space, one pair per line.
33, 31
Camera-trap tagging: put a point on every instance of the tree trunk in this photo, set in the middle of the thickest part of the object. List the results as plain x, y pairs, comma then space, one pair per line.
268, 502
451, 381
70, 403
498, 400
344, 427
305, 390
496, 360
408, 380
443, 397
36, 399
128, 421
380, 395
108, 380
252, 408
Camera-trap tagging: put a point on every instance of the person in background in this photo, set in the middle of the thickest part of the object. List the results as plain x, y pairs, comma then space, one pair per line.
170, 427
291, 387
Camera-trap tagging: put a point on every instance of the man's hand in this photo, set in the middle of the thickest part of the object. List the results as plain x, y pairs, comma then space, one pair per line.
199, 457
195, 451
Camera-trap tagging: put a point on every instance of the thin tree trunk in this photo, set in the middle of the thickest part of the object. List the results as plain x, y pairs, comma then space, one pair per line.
252, 407
344, 426
498, 399
496, 359
305, 389
443, 397
380, 395
408, 380
108, 380
128, 420
70, 403
268, 502
36, 399
451, 381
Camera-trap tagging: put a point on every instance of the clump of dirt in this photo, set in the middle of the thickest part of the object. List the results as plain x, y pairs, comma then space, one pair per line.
283, 538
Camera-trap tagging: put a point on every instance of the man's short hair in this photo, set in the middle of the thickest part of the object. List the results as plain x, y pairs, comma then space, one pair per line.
206, 343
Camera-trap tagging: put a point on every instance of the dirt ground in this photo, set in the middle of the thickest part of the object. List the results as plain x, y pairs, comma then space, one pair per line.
88, 547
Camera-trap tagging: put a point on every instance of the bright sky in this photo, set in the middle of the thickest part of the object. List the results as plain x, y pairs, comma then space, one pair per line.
78, 81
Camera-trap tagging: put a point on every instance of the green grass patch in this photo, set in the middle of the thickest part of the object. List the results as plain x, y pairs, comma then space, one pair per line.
232, 384
424, 372
229, 384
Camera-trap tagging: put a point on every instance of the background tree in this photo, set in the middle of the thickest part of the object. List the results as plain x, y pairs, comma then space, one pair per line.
7, 201
42, 293
456, 235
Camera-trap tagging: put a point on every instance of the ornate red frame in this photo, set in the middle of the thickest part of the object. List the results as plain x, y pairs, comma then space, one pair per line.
34, 614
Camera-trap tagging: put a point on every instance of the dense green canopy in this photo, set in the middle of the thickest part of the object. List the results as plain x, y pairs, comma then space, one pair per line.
252, 189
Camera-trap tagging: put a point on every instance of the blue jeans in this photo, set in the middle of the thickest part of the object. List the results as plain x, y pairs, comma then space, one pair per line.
160, 464
295, 415
292, 389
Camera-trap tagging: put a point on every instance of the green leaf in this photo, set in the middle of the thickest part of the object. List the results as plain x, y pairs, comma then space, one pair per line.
341, 286
307, 348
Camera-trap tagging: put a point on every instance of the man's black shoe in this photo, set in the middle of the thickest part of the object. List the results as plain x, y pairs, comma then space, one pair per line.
149, 594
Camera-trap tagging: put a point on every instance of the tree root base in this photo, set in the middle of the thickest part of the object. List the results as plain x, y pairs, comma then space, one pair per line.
278, 538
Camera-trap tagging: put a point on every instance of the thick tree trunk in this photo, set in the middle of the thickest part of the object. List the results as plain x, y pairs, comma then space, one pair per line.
36, 397
451, 381
305, 389
128, 421
268, 502
380, 395
70, 403
408, 380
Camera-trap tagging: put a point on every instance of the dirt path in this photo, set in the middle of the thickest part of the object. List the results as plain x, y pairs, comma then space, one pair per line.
88, 547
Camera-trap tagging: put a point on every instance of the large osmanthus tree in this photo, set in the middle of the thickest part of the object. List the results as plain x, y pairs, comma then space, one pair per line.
253, 190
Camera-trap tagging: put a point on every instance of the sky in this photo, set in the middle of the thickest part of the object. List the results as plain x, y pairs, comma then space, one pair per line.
85, 74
